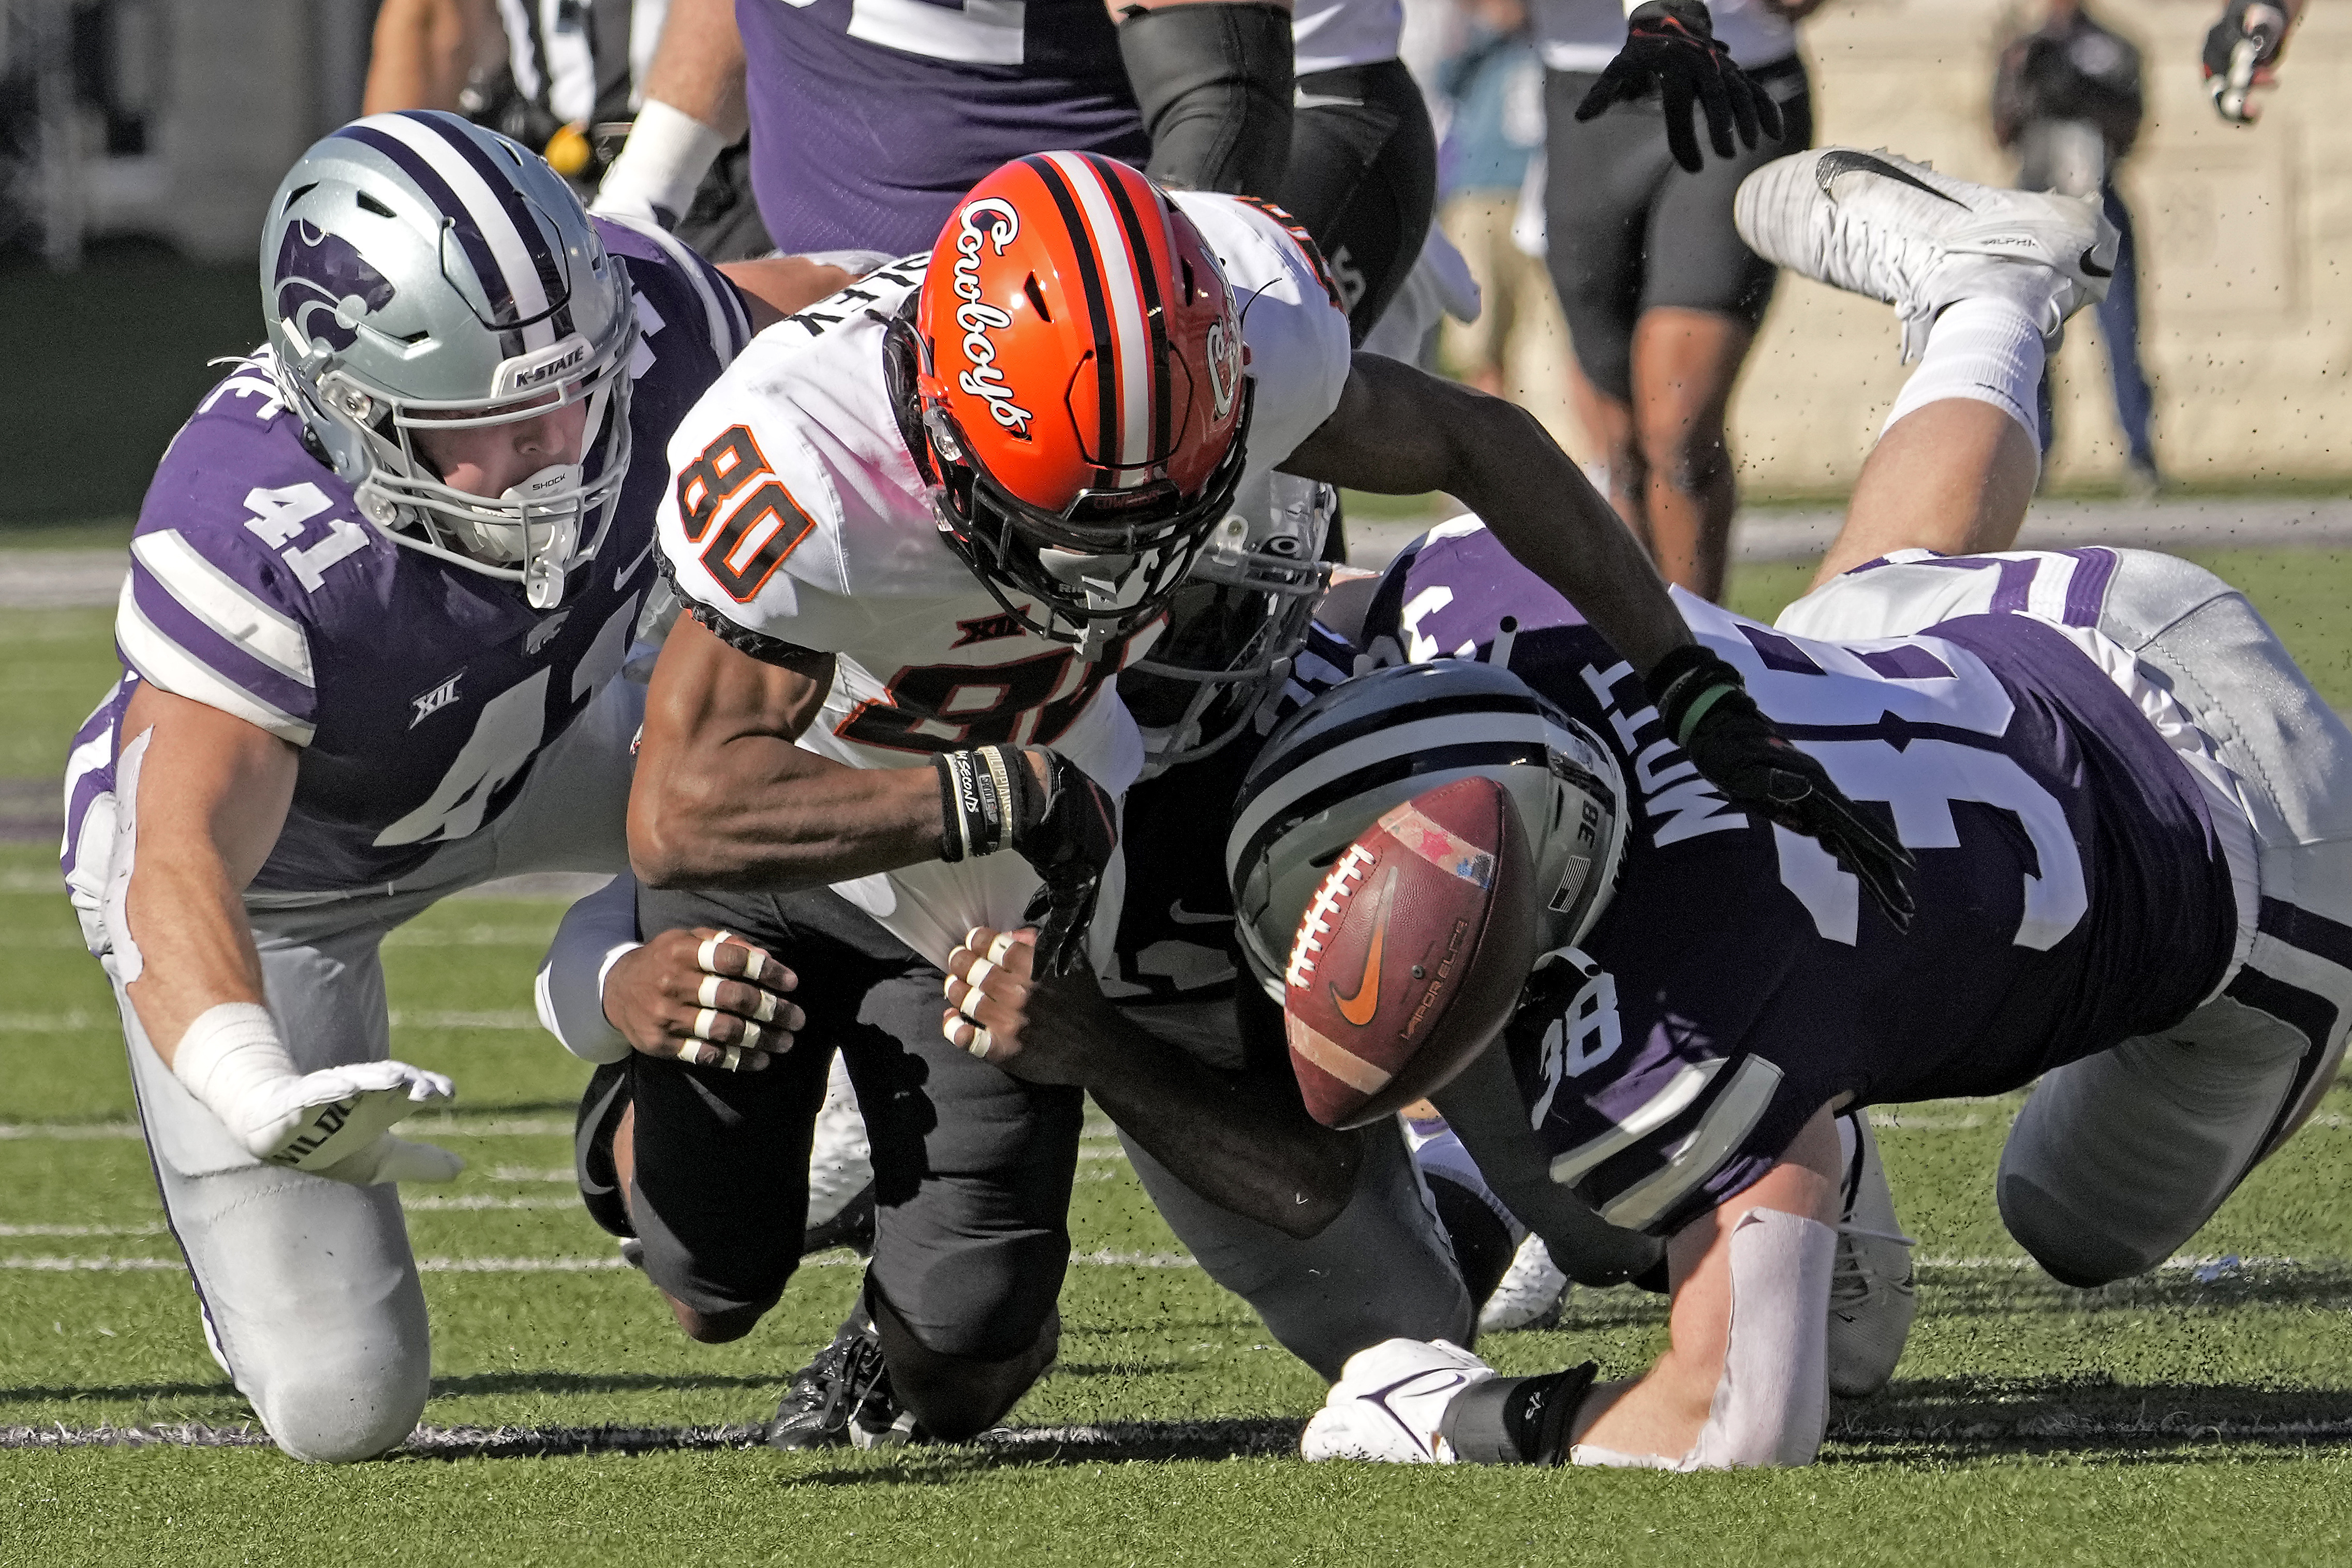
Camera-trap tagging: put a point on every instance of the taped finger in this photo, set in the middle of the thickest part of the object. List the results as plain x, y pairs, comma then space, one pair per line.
706, 957
751, 1040
998, 948
765, 1011
708, 991
704, 1022
732, 1059
977, 977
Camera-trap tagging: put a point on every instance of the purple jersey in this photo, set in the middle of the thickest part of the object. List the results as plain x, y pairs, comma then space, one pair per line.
2071, 889
418, 691
870, 118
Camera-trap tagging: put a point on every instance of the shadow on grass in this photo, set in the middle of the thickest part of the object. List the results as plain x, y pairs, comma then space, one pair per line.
1950, 1418
2003, 1292
481, 1382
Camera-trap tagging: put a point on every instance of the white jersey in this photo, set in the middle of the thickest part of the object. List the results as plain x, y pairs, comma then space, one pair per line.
1585, 35
1330, 34
828, 543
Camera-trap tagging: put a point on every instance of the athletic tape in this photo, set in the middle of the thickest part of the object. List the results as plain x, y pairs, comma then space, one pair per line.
999, 949
706, 957
703, 1023
977, 977
708, 991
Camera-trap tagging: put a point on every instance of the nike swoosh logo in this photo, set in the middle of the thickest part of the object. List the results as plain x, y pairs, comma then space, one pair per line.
1843, 161
1185, 917
1321, 100
1359, 1010
2091, 268
625, 572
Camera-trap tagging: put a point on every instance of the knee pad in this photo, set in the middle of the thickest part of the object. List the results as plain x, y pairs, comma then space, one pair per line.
2073, 1249
1771, 1400
339, 1411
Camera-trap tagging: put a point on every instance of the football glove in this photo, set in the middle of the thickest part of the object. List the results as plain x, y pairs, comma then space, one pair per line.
1670, 45
2245, 40
1708, 711
1067, 831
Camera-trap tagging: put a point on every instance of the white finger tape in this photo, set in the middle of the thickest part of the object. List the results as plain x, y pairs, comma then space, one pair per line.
971, 937
751, 1040
708, 995
981, 1041
704, 1022
977, 977
732, 1059
755, 963
706, 956
999, 949
767, 1009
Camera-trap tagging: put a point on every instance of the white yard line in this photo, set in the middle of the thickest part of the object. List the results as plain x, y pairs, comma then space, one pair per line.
560, 1263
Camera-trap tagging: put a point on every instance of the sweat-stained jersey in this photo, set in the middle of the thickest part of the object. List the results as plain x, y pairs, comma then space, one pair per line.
418, 691
831, 546
2073, 886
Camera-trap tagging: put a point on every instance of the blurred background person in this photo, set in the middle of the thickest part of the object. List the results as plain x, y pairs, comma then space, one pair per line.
2067, 101
567, 78
1662, 296
2242, 51
1493, 92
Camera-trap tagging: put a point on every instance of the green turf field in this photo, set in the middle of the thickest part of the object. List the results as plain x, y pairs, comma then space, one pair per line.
2203, 1414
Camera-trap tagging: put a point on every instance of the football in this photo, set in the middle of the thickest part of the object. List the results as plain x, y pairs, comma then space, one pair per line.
1412, 953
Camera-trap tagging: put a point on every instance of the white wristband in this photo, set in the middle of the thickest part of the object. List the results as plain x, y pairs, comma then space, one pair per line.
659, 166
227, 1056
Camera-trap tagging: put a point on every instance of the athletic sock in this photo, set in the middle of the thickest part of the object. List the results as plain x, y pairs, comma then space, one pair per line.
1987, 349
1516, 1420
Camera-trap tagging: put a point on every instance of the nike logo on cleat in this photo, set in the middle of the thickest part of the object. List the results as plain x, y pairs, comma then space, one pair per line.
1845, 161
2091, 268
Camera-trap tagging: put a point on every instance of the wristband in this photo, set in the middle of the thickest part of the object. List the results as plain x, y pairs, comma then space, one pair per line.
228, 1056
660, 166
979, 800
1687, 683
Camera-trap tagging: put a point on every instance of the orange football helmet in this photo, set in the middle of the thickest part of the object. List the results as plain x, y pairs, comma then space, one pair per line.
1070, 381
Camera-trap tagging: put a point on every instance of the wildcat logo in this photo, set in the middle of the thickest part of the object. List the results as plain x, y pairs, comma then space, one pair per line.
434, 700
324, 286
540, 636
989, 628
1225, 364
995, 222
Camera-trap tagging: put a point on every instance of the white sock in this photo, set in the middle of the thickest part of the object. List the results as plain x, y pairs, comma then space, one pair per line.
1986, 349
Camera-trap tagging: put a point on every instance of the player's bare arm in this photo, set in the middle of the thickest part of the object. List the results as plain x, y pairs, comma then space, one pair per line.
423, 51
694, 108
781, 285
1251, 1151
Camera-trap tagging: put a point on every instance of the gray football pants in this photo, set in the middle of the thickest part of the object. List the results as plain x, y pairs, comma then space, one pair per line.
308, 1291
1381, 1269
2118, 1159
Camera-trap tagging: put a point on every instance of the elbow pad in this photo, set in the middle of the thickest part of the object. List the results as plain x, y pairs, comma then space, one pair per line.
1215, 83
569, 990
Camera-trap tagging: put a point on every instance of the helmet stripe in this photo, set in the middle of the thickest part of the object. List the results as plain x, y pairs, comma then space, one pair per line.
1132, 347
489, 235
518, 212
1155, 314
1090, 283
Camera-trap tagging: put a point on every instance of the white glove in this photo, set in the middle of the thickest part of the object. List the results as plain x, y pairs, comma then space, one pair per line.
390, 1159
234, 1063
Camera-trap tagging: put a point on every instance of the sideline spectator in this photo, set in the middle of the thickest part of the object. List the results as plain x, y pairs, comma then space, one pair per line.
1494, 88
2067, 101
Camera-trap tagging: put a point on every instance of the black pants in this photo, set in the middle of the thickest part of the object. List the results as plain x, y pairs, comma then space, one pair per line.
1364, 179
1629, 230
972, 1167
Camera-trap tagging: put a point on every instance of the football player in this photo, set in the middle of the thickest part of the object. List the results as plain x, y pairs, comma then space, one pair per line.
920, 527
380, 593
2135, 872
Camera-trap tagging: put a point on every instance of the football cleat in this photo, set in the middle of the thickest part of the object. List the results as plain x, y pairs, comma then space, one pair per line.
1873, 1293
1390, 1402
1874, 224
842, 1398
1531, 1294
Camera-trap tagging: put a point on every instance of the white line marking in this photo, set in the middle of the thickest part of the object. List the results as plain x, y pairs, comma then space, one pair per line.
103, 1264
156, 1229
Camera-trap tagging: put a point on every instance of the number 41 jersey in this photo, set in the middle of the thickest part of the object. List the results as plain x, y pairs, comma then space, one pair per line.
798, 522
2072, 886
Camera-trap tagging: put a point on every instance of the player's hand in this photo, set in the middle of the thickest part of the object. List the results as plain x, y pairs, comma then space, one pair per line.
390, 1159
317, 1121
707, 997
1707, 708
2241, 50
1043, 1030
1670, 45
1066, 828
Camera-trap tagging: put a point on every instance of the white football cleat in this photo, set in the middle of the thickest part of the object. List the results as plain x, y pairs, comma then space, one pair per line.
1874, 224
1529, 1295
1389, 1401
1873, 1294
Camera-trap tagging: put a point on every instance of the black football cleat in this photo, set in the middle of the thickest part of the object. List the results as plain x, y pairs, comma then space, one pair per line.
842, 1398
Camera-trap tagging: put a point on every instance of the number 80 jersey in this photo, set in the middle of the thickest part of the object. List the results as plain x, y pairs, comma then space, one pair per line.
2072, 886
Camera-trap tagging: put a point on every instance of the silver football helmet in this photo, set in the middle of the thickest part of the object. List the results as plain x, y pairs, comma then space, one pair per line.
1329, 770
1236, 624
419, 272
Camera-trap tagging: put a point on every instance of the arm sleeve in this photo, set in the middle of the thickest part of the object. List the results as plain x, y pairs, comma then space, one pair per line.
1214, 84
595, 932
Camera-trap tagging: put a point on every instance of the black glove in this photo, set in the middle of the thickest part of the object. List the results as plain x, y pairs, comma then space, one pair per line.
2230, 77
1671, 45
1067, 832
1707, 709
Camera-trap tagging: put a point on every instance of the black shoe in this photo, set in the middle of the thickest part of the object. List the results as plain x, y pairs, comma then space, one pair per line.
852, 1227
842, 1398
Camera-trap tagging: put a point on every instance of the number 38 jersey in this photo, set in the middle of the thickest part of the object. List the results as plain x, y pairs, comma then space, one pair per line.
798, 521
419, 691
2073, 889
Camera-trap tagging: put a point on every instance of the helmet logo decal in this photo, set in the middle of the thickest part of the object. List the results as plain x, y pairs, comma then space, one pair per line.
1225, 347
995, 222
323, 286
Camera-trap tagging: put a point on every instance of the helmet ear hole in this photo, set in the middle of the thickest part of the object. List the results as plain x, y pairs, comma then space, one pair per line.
369, 204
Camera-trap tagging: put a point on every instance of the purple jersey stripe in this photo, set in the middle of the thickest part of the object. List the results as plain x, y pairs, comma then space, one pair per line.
219, 655
1907, 662
1777, 652
2087, 590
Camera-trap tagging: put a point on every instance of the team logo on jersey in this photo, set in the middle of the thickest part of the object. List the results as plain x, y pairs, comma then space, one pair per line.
995, 222
434, 700
540, 636
988, 628
324, 286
